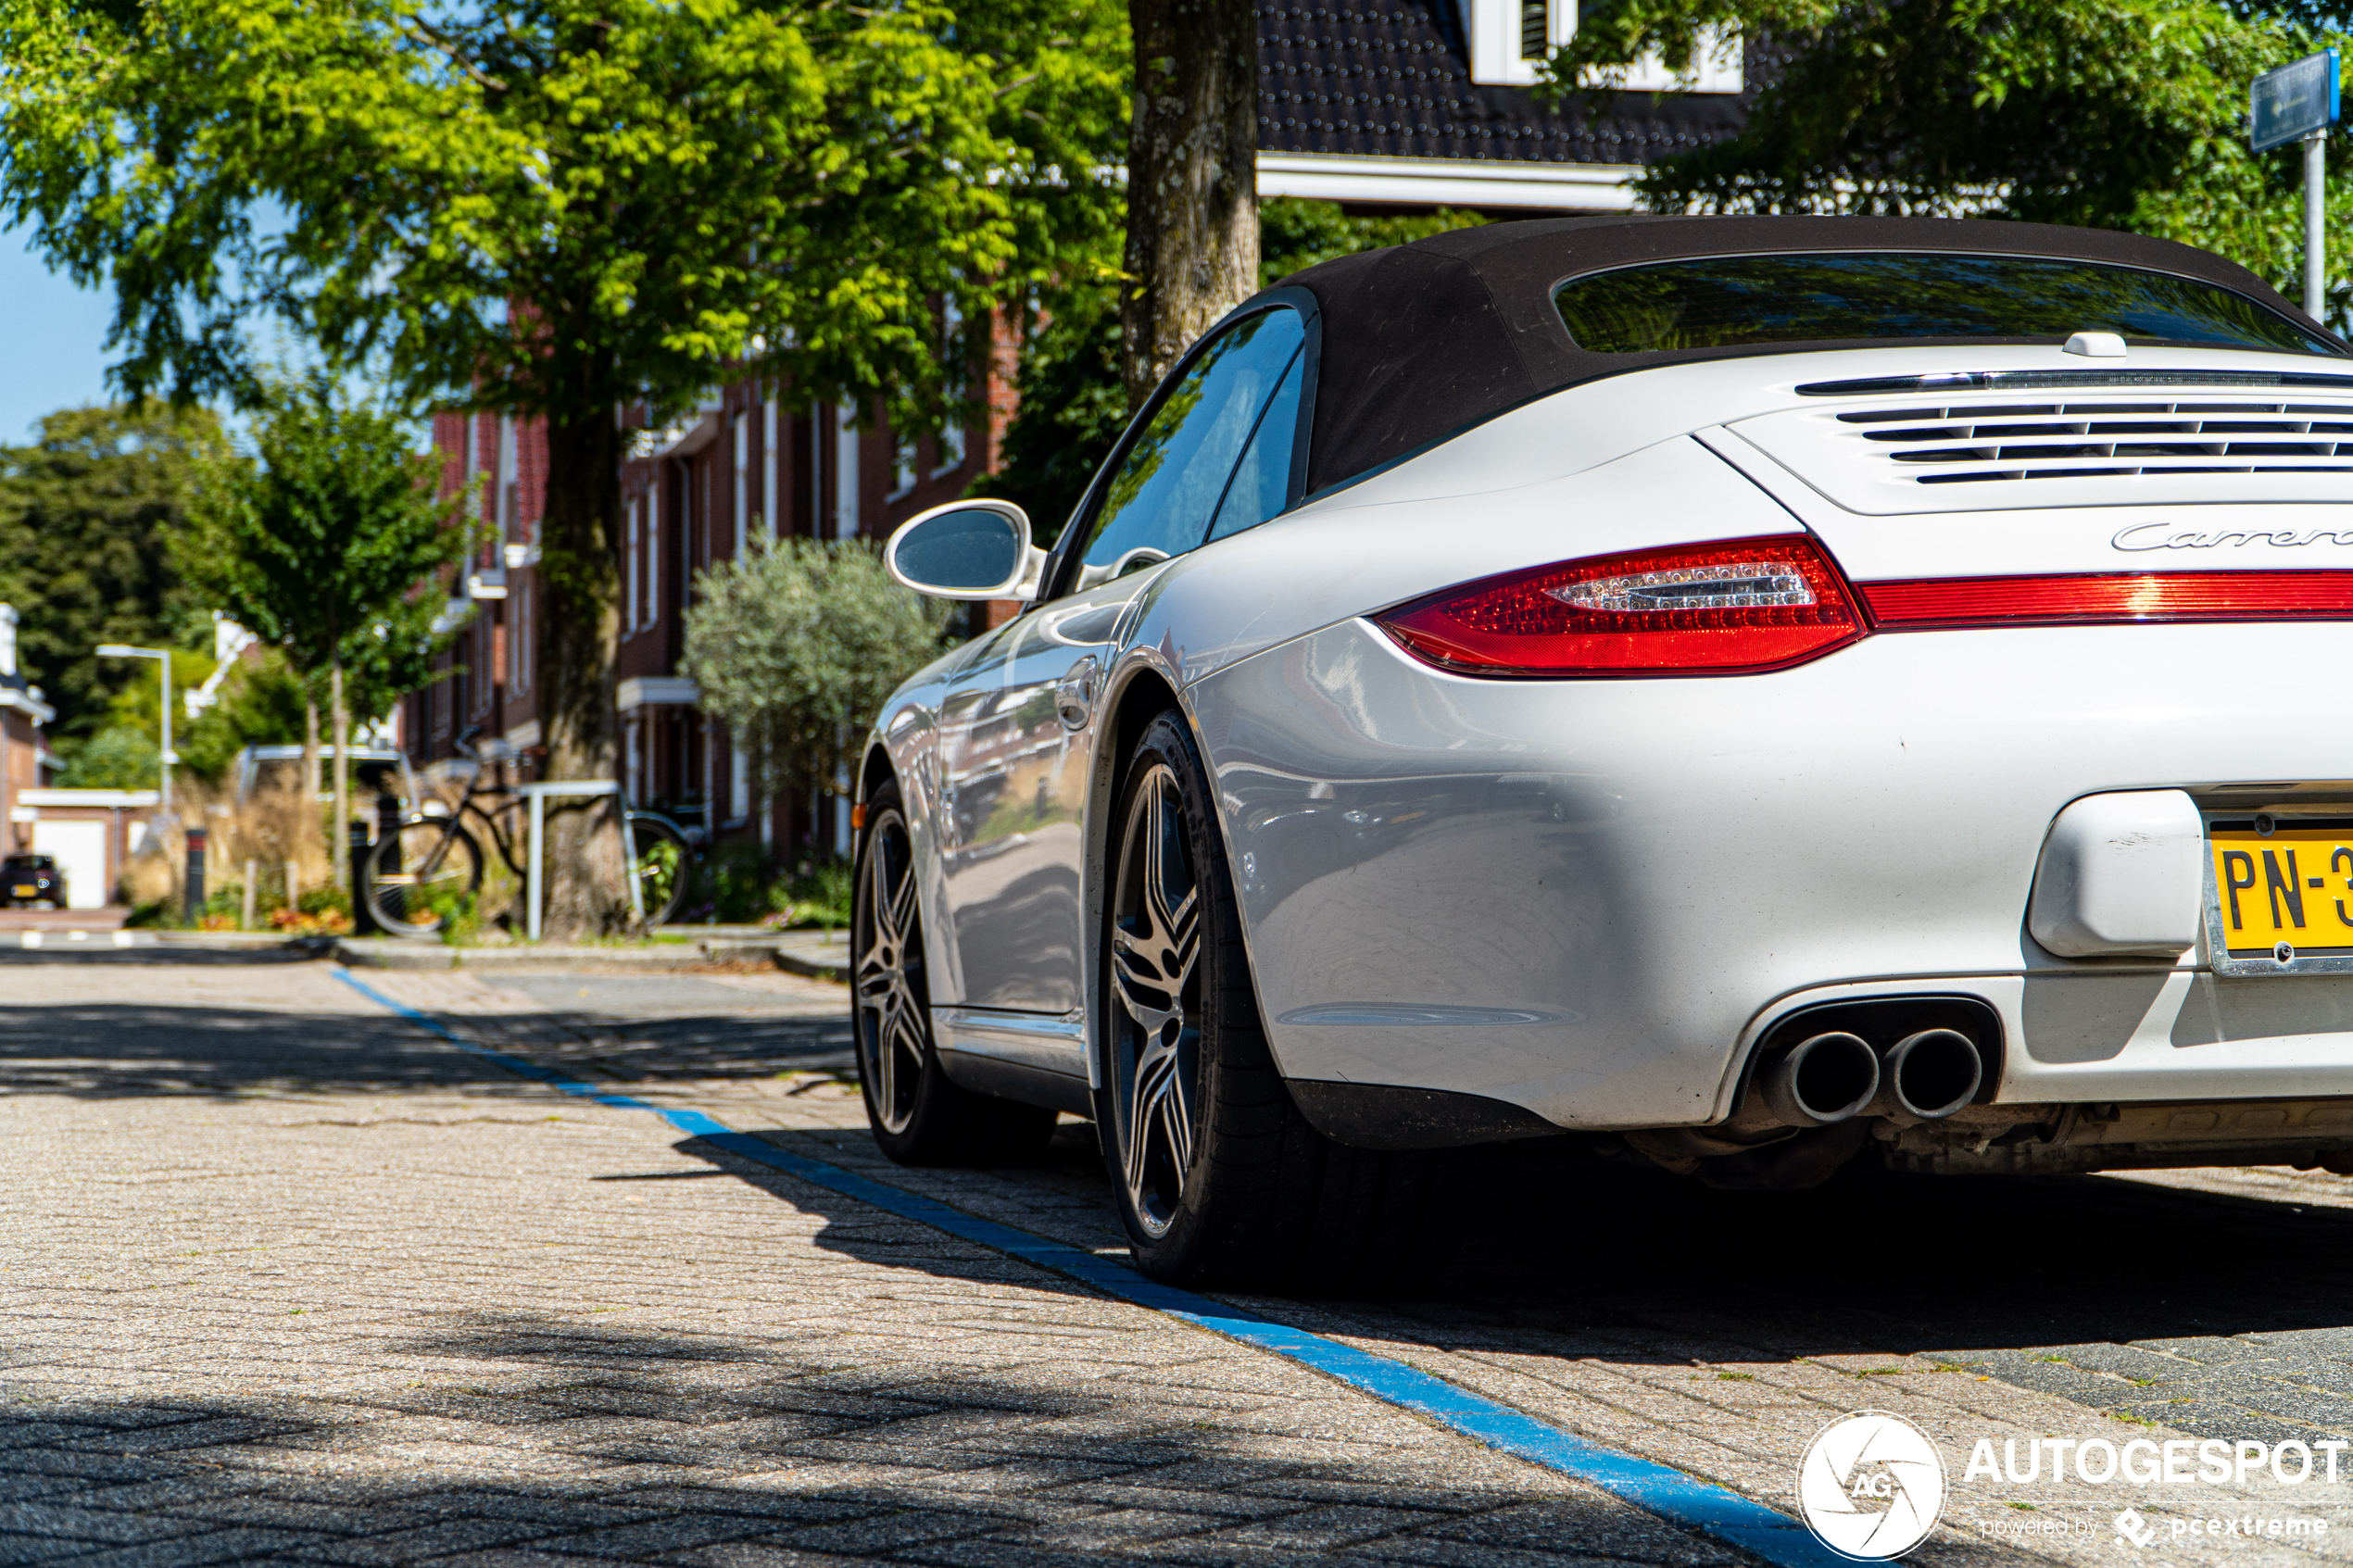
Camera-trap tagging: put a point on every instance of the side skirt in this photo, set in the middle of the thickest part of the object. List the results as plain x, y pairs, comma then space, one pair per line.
1036, 1058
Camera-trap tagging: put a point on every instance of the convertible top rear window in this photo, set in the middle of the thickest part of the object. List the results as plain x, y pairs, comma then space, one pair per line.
1732, 302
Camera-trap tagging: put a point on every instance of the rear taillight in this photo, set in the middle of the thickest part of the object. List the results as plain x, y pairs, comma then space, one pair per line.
1727, 608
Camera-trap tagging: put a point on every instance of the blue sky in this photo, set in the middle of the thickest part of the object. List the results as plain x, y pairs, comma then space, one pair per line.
52, 345
50, 340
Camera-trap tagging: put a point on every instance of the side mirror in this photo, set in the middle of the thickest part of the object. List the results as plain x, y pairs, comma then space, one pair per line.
967, 550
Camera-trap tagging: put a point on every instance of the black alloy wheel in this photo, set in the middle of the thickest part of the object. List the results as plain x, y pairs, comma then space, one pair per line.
1218, 1177
918, 1116
1156, 1012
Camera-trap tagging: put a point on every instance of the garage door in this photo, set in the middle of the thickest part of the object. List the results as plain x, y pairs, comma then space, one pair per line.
81, 852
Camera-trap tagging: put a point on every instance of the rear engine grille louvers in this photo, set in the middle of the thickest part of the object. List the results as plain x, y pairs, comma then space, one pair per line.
1967, 445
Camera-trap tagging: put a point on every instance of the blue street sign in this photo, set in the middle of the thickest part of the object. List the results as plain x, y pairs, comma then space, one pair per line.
2291, 103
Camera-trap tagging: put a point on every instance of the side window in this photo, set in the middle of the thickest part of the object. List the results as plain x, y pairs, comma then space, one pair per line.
1161, 501
1262, 484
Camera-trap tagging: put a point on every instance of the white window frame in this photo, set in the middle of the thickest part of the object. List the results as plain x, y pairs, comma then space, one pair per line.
902, 468
473, 466
508, 502
743, 483
769, 504
1493, 27
653, 549
632, 603
846, 435
959, 378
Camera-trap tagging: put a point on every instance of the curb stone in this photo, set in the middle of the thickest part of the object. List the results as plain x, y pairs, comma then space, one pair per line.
816, 960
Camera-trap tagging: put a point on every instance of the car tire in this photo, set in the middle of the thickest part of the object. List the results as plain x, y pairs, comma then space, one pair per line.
917, 1115
1220, 1178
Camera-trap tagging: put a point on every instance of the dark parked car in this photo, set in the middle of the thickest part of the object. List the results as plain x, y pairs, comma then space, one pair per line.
31, 879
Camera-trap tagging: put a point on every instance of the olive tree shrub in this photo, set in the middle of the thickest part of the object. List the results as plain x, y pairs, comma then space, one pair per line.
796, 646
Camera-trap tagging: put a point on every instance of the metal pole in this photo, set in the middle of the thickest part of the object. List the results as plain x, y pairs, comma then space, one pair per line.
531, 883
2315, 197
164, 661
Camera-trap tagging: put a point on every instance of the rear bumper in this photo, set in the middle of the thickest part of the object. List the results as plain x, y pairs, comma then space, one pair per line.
1591, 898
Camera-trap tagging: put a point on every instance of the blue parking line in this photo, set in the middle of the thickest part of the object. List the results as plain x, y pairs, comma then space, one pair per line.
1656, 1488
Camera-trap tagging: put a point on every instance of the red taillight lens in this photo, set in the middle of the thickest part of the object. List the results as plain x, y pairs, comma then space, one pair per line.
1732, 607
2109, 597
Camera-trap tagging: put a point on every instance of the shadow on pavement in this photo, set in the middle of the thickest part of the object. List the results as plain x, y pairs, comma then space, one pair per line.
619, 1444
113, 1049
2151, 1293
2205, 1311
58, 951
102, 1050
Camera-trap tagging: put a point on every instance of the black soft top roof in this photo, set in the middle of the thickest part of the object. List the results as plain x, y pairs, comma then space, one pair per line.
1421, 341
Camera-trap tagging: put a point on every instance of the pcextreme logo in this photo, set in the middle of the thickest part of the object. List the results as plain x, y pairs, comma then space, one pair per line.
1870, 1485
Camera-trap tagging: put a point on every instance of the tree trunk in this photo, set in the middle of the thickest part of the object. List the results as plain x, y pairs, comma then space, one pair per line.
1192, 181
307, 818
340, 850
309, 752
578, 612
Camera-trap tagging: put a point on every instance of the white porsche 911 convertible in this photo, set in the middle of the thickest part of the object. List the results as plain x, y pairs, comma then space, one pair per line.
1751, 692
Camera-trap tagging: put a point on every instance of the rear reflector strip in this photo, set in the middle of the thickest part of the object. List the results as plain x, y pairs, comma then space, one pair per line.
2107, 598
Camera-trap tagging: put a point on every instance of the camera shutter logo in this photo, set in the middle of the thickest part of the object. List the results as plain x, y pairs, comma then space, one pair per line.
1870, 1485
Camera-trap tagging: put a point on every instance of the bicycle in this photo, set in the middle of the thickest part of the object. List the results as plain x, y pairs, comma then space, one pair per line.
414, 877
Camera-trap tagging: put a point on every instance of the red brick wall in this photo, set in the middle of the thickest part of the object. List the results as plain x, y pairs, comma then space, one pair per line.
694, 528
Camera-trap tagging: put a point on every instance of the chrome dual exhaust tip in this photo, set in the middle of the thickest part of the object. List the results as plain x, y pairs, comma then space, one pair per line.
1822, 1079
1826, 1078
1928, 1075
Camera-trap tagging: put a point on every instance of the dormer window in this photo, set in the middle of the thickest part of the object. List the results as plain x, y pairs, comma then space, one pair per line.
1511, 39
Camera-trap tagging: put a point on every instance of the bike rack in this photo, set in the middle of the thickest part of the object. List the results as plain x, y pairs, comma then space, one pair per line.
537, 794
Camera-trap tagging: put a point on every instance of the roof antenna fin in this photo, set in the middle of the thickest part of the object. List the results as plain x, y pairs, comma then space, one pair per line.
2095, 345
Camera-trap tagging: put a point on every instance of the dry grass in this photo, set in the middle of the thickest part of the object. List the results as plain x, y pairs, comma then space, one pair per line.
269, 828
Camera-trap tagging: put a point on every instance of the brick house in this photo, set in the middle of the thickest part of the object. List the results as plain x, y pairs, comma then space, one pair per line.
748, 462
25, 758
1392, 106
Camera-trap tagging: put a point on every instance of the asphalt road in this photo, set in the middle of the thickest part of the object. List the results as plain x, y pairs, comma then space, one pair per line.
291, 1278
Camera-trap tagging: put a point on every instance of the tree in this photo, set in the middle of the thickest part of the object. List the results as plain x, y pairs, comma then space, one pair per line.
116, 757
1192, 179
1073, 403
85, 514
260, 702
2127, 116
557, 210
317, 544
795, 648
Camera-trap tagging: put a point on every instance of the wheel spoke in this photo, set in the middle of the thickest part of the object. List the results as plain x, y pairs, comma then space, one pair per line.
1176, 1119
893, 1034
1139, 1131
902, 907
1156, 937
879, 902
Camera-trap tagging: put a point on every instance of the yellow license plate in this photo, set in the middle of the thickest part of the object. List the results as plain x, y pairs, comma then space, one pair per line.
2293, 885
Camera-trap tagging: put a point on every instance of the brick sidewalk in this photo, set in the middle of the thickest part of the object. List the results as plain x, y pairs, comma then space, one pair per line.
289, 1279
274, 1295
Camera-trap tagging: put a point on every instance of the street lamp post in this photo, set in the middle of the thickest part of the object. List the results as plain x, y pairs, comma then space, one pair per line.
163, 658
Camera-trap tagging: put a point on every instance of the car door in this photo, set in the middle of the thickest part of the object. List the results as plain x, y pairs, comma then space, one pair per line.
1017, 723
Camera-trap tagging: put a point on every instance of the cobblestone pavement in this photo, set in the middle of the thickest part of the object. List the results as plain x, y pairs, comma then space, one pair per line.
286, 1278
